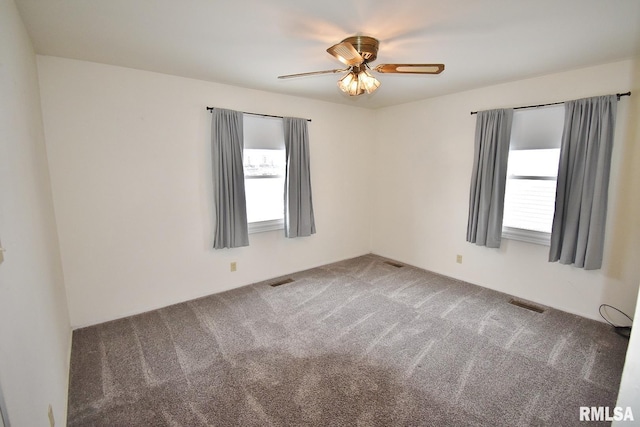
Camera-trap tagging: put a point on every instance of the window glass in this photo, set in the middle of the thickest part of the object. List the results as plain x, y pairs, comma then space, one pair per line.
531, 189
532, 170
264, 169
264, 184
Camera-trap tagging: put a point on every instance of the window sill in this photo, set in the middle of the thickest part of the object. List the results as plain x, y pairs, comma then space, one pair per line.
529, 236
263, 226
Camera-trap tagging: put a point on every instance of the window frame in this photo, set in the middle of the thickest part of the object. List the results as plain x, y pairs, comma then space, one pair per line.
264, 226
529, 236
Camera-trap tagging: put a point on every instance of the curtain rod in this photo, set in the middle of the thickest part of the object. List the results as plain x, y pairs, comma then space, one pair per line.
619, 95
256, 114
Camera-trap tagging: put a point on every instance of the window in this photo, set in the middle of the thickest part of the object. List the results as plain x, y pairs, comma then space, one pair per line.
532, 171
264, 169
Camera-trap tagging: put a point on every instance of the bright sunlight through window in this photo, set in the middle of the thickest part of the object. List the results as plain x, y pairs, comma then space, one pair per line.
532, 171
531, 189
264, 184
264, 171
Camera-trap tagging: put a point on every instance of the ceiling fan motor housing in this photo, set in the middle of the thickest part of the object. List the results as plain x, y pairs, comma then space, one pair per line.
366, 46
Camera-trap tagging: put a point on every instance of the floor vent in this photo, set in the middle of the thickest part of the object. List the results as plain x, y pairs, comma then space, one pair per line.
281, 282
394, 264
527, 306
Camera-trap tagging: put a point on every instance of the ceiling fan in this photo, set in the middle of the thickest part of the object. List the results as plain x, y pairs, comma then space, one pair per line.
356, 53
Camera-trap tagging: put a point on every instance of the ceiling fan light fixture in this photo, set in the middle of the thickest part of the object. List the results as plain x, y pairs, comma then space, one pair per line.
358, 81
367, 81
350, 85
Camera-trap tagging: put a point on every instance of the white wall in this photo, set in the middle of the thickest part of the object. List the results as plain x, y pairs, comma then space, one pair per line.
34, 325
129, 156
423, 159
629, 394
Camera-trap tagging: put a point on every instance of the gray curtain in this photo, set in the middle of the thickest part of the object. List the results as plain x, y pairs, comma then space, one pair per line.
298, 204
228, 179
577, 236
489, 177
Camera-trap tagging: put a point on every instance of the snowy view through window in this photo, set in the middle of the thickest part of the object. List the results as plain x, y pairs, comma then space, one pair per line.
264, 172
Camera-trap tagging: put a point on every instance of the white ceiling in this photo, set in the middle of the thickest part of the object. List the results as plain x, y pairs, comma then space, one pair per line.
248, 43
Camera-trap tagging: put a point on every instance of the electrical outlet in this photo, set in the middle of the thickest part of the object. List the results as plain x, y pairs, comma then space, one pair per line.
459, 259
233, 266
52, 421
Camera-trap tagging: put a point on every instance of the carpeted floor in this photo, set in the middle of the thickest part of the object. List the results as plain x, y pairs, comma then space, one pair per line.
355, 343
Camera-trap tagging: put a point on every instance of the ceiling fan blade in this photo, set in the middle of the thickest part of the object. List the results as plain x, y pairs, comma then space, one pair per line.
410, 68
346, 53
312, 73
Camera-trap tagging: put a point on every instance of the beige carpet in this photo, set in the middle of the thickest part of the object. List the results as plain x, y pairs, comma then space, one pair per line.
355, 343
